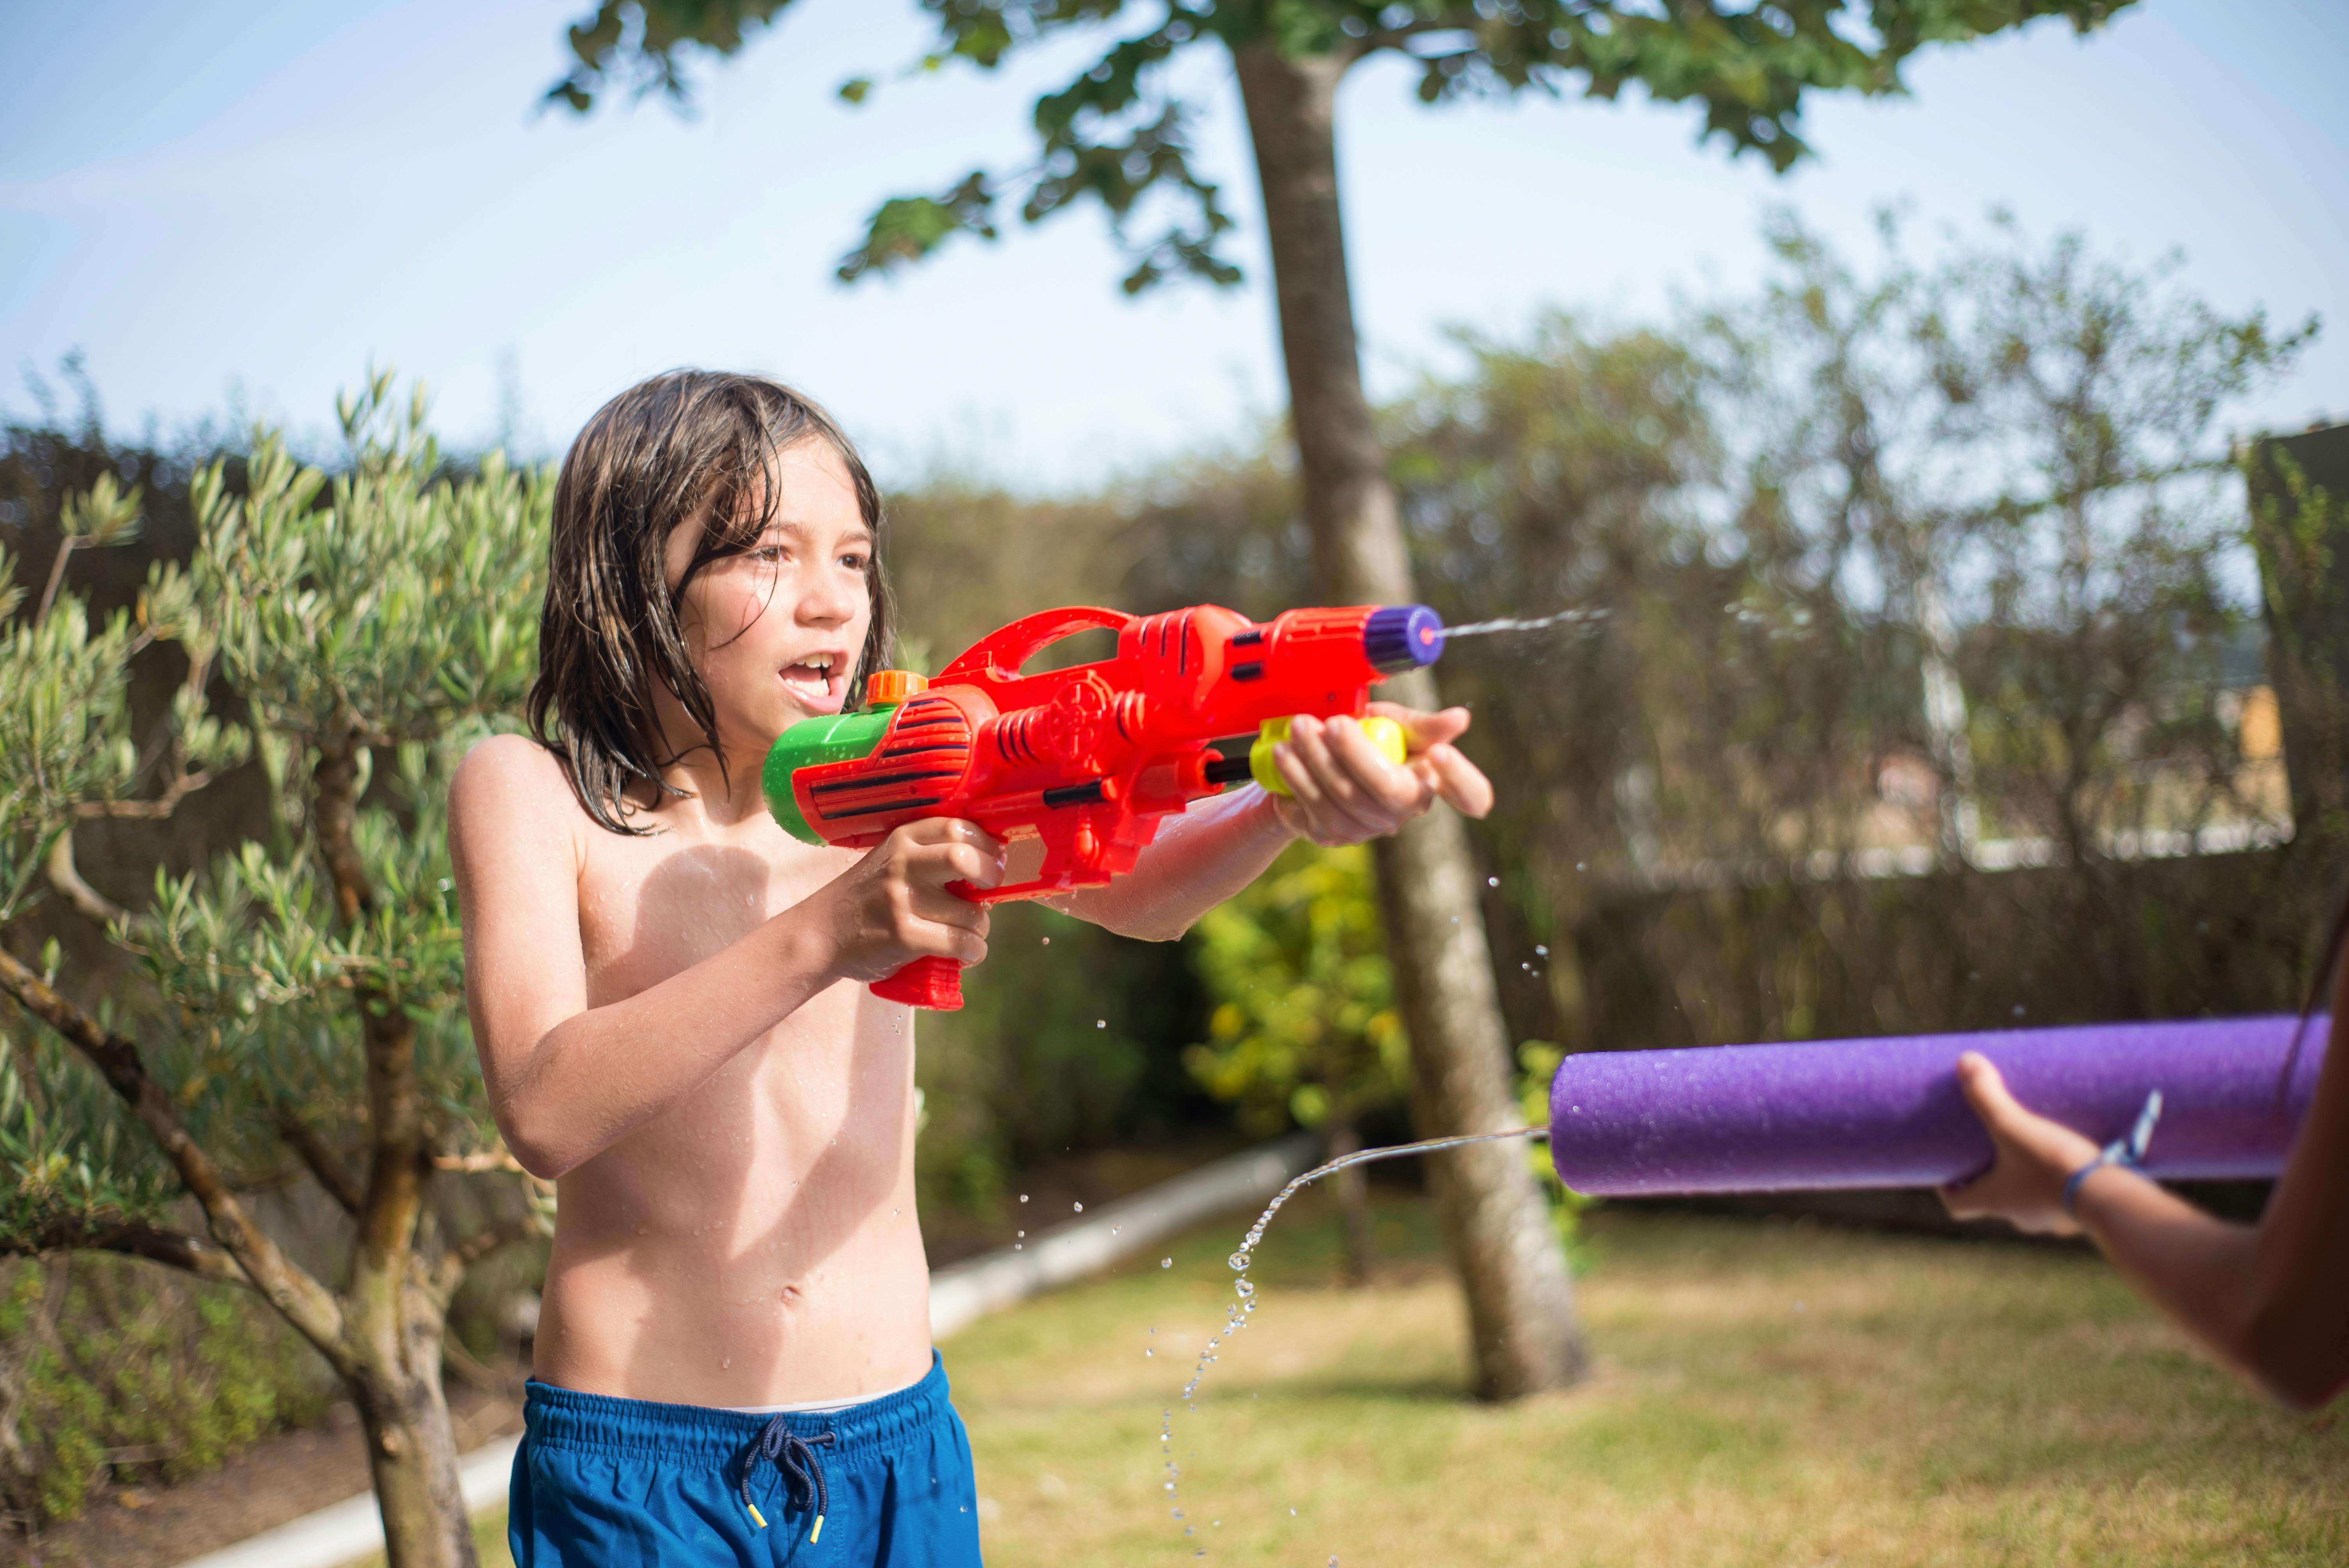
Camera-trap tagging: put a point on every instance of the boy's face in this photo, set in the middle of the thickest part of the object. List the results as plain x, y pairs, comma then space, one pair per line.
775, 633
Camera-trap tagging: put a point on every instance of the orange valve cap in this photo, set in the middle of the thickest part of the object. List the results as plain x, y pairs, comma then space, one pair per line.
887, 688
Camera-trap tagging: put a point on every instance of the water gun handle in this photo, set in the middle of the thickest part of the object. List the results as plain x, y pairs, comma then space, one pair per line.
933, 983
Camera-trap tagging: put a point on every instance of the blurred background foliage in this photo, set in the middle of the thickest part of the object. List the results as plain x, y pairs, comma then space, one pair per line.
1921, 685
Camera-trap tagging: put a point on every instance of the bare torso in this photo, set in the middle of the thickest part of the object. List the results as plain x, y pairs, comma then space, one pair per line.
755, 1242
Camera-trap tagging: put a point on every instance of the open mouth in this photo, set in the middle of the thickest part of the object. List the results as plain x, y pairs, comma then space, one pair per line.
820, 680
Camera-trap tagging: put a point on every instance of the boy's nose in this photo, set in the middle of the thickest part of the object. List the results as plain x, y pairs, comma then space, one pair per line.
828, 602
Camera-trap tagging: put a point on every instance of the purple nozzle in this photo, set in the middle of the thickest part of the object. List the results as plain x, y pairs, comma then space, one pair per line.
1399, 637
1888, 1113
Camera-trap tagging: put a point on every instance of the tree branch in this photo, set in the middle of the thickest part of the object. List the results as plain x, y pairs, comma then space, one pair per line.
499, 1234
305, 1304
66, 878
336, 779
163, 805
57, 576
504, 1234
397, 1162
323, 1162
173, 1249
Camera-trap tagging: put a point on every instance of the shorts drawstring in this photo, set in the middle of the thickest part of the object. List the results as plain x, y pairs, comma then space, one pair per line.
795, 1456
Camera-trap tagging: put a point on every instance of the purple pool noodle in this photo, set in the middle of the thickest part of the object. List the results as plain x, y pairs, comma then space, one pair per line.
1888, 1113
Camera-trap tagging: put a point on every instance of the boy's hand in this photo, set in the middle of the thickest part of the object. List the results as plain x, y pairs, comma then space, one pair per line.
1342, 791
2025, 1184
893, 906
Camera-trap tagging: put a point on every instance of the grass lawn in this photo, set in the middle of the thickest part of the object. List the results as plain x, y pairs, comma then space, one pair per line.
1764, 1393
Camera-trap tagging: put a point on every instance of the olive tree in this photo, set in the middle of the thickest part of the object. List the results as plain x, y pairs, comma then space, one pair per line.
302, 1012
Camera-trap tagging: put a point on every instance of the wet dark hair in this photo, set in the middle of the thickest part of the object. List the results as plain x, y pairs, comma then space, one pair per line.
609, 638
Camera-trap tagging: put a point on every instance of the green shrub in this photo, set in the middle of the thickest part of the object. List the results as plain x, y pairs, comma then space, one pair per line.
113, 1368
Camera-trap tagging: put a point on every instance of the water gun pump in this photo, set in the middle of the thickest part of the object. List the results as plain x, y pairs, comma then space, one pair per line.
1074, 768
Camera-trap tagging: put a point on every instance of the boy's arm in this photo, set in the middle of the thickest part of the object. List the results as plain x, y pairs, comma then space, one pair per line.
567, 1081
1342, 791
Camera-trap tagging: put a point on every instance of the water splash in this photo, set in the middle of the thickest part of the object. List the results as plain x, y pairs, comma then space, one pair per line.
1527, 623
1237, 1313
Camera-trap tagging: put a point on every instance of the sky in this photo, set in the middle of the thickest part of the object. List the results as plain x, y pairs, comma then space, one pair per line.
234, 212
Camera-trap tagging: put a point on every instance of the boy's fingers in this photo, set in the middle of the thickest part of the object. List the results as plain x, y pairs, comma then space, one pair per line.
1422, 728
1373, 784
1460, 781
1332, 802
1303, 787
939, 907
951, 830
1325, 784
968, 862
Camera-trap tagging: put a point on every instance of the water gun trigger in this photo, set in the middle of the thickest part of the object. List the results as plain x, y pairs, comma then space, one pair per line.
1381, 732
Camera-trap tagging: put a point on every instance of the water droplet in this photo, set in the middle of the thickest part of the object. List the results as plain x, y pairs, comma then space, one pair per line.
1079, 1207
1147, 1351
1492, 881
1243, 1286
1169, 1486
1047, 942
1166, 1262
1022, 1234
1237, 1259
1541, 952
1578, 866
1023, 1197
1113, 1230
1100, 1023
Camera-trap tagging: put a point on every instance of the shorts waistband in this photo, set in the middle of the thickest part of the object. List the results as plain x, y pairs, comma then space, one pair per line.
697, 1434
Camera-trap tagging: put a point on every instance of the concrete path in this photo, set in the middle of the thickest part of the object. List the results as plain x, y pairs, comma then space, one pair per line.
960, 1294
352, 1528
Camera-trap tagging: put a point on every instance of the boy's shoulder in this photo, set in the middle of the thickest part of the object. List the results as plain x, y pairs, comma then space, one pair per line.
512, 780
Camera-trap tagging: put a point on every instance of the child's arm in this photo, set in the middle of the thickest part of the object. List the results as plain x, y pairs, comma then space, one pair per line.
568, 1081
1342, 792
2268, 1301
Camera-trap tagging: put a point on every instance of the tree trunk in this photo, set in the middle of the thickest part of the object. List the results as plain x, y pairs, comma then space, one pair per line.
1495, 1224
411, 1443
1353, 1201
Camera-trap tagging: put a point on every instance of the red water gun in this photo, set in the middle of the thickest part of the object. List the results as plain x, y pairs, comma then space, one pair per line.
1074, 768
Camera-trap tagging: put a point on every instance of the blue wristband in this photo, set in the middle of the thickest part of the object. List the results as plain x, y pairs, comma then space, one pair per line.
2129, 1153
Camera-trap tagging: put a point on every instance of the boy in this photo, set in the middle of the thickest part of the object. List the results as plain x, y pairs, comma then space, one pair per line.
667, 994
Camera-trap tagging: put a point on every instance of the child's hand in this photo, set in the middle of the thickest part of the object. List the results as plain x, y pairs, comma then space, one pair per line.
893, 906
2025, 1184
1342, 791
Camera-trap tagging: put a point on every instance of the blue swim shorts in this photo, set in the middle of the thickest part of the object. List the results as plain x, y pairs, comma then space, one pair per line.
600, 1481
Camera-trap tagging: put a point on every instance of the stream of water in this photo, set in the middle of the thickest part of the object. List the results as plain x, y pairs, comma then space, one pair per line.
1237, 1313
1520, 623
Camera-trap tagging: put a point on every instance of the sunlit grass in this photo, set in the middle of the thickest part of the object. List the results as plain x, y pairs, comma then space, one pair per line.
1764, 1393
